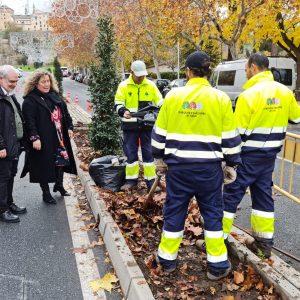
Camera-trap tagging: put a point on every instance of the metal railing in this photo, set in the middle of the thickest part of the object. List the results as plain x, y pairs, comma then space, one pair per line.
290, 156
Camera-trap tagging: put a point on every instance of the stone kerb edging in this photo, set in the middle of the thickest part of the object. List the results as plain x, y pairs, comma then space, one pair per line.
284, 278
132, 280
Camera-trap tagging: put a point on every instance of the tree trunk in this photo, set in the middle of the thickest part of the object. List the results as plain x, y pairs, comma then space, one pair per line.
274, 49
232, 50
155, 61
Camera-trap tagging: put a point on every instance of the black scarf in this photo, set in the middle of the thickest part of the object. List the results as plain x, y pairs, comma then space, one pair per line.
52, 99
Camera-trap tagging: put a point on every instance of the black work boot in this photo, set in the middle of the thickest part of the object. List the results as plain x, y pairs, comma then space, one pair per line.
46, 194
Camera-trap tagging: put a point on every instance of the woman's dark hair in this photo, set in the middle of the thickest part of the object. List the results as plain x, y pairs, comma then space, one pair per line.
260, 60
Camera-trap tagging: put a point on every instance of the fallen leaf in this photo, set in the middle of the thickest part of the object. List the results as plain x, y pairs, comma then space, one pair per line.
79, 250
238, 277
104, 282
156, 219
228, 298
84, 166
232, 287
195, 230
212, 290
271, 290
260, 285
269, 261
96, 243
184, 268
107, 260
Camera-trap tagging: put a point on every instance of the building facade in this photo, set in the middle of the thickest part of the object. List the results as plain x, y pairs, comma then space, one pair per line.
6, 17
37, 21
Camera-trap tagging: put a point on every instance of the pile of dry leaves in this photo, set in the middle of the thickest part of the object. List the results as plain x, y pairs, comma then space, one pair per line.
142, 229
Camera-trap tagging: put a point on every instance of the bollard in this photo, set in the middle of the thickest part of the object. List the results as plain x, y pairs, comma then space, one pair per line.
68, 98
89, 105
76, 100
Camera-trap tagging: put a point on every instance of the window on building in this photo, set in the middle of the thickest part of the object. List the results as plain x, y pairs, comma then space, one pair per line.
226, 78
285, 77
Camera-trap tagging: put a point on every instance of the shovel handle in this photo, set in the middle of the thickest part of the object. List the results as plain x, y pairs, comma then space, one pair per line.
149, 198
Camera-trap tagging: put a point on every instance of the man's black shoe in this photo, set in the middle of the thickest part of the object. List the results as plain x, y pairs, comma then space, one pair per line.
8, 217
17, 210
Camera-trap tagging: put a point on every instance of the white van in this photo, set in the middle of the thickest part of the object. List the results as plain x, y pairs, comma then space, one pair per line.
230, 76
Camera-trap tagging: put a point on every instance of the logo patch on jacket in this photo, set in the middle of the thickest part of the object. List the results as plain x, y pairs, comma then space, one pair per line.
129, 93
192, 105
147, 94
273, 101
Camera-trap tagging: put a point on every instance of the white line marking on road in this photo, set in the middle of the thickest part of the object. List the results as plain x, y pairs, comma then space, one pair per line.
86, 265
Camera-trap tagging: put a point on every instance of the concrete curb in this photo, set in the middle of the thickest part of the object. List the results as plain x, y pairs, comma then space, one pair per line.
284, 278
132, 280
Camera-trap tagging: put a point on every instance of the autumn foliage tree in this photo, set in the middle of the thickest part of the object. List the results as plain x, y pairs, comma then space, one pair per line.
104, 129
83, 34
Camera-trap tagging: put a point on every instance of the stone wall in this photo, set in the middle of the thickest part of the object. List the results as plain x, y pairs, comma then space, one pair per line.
7, 55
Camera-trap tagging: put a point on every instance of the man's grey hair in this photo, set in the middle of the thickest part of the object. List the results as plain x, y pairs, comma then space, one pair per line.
6, 69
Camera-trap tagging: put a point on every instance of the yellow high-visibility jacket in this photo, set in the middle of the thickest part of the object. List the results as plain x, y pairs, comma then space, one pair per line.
262, 114
196, 125
131, 96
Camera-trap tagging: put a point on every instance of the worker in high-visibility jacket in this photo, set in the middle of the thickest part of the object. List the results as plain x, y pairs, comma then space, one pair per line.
194, 132
133, 94
262, 113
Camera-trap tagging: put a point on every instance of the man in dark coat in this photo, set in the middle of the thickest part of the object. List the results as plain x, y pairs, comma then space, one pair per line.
11, 135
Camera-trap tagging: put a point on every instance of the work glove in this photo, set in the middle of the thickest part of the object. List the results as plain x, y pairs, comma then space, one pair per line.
161, 167
229, 174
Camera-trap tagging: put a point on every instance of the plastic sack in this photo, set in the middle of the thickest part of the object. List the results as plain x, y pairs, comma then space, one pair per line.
108, 172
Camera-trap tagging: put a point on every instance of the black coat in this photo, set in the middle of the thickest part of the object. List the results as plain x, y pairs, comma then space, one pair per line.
41, 163
8, 131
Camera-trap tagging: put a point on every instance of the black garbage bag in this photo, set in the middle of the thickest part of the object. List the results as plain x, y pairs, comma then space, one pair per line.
108, 172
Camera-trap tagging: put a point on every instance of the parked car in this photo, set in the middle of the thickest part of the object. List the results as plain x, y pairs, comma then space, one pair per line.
161, 84
79, 77
73, 75
230, 76
174, 84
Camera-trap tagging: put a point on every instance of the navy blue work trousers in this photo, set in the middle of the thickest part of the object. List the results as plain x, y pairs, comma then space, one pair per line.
204, 181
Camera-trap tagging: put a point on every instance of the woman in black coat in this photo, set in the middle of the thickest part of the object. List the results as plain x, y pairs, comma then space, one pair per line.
49, 128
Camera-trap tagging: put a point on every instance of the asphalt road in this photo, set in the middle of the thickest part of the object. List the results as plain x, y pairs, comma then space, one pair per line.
76, 89
37, 262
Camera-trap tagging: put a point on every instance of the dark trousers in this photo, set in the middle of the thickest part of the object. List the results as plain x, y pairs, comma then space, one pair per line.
8, 170
131, 146
59, 173
258, 176
204, 181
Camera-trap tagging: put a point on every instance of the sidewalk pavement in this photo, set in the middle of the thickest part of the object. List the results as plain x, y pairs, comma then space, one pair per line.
283, 277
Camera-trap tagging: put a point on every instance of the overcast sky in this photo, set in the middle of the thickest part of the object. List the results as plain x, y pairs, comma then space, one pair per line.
19, 5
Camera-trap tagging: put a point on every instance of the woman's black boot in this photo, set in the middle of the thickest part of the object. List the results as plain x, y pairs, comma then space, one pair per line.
46, 194
58, 187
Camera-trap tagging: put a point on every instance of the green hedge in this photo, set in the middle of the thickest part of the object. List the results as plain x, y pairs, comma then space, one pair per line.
168, 75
